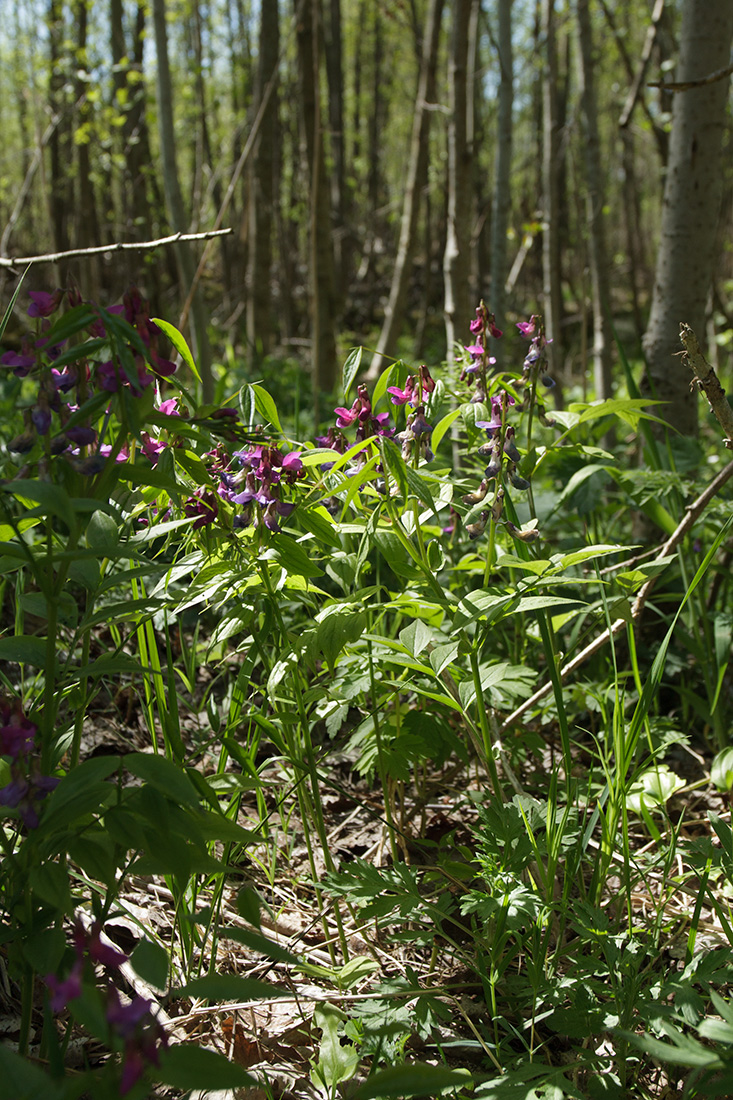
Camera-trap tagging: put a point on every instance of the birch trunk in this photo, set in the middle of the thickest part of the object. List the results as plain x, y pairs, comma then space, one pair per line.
597, 252
551, 168
456, 259
501, 199
417, 175
262, 196
174, 199
692, 191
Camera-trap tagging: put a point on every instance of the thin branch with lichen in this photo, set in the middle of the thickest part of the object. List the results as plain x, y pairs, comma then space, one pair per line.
707, 380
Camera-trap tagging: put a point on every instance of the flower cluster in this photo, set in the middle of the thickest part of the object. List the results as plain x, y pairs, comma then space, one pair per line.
483, 327
500, 449
27, 787
534, 367
131, 1023
63, 389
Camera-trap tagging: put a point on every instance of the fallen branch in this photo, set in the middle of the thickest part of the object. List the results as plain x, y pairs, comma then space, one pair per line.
707, 380
117, 246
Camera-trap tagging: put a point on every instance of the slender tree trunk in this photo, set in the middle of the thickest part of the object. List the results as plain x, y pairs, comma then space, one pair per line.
597, 253
339, 195
501, 201
456, 259
87, 222
322, 308
262, 194
174, 199
551, 167
416, 181
60, 195
686, 256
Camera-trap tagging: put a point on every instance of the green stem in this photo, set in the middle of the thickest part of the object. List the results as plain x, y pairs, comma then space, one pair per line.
484, 727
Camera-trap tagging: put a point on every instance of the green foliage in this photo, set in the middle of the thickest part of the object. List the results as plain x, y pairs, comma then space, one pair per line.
356, 598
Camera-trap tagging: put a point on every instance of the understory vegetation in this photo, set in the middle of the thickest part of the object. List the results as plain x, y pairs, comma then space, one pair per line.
393, 761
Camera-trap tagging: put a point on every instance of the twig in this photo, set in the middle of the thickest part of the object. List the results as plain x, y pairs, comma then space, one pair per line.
686, 85
707, 380
117, 246
646, 53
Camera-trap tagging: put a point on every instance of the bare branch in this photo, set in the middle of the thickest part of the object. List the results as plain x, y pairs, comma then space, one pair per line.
118, 246
686, 85
707, 380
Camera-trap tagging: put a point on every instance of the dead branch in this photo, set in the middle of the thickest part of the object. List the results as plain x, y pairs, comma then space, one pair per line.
707, 380
118, 246
686, 85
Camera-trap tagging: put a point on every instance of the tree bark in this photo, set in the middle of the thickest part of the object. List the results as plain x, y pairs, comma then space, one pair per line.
322, 308
262, 193
501, 199
551, 167
174, 200
597, 253
686, 255
416, 181
456, 258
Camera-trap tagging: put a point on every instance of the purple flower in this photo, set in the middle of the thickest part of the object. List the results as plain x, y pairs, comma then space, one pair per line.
270, 517
204, 505
64, 991
44, 304
403, 397
124, 1019
63, 380
527, 327
509, 446
80, 435
23, 793
22, 362
41, 417
169, 407
17, 733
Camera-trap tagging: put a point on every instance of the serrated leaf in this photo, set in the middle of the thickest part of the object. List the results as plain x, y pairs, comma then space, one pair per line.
179, 343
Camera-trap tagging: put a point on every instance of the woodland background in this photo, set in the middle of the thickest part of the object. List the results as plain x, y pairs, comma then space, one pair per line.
382, 164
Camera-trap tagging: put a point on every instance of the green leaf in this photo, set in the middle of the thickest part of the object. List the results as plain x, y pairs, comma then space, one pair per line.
24, 1080
351, 369
229, 987
293, 557
82, 791
179, 344
188, 1066
52, 499
420, 1079
320, 523
385, 379
24, 649
146, 475
336, 1062
150, 961
442, 427
721, 770
163, 775
266, 407
102, 532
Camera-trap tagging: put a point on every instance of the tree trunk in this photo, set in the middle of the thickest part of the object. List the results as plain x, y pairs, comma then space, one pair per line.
339, 196
501, 200
174, 200
87, 223
322, 308
456, 259
60, 192
551, 167
416, 181
262, 194
686, 256
597, 253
